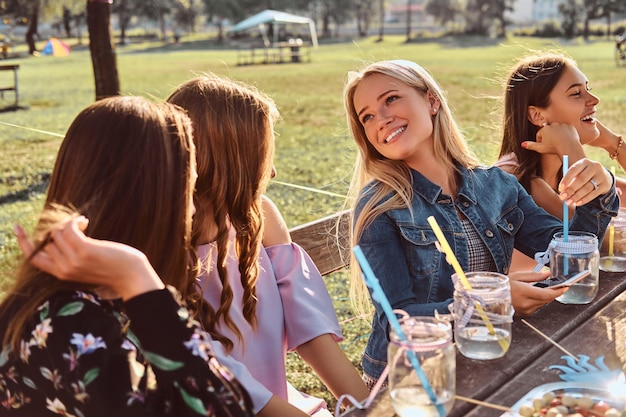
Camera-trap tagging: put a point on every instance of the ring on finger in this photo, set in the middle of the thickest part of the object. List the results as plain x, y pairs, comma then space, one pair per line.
594, 183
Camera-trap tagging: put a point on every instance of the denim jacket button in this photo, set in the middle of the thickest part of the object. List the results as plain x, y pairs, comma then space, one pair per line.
489, 233
510, 226
465, 204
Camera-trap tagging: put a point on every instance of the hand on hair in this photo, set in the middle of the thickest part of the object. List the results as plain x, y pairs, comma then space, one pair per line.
526, 298
584, 181
70, 255
557, 139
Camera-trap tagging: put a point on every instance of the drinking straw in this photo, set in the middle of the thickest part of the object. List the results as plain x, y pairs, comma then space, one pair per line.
611, 239
504, 344
378, 295
565, 219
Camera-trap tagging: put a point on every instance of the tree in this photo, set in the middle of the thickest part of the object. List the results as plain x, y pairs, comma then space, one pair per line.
102, 48
444, 11
381, 19
614, 7
498, 10
593, 9
33, 22
478, 15
408, 21
364, 11
571, 10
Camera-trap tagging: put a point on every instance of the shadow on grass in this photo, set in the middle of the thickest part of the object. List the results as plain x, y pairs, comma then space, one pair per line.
39, 186
12, 108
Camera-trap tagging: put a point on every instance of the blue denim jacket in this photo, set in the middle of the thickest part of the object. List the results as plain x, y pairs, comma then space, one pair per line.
416, 277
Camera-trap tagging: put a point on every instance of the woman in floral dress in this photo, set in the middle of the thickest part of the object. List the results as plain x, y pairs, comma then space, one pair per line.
88, 327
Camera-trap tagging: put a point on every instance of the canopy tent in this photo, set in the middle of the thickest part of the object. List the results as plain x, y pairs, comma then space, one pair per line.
268, 17
55, 47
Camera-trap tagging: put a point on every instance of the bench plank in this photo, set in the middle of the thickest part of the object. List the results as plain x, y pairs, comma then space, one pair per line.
330, 251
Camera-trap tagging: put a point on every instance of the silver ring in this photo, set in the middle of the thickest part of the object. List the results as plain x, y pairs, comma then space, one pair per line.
594, 183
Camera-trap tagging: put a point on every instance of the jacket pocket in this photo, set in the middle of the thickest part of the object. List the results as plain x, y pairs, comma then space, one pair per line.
420, 249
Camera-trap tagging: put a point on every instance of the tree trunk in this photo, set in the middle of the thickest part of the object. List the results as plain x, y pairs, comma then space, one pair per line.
381, 29
102, 48
408, 21
32, 29
124, 18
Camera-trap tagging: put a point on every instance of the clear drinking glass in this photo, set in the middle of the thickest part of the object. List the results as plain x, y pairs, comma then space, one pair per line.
613, 249
579, 253
429, 342
482, 315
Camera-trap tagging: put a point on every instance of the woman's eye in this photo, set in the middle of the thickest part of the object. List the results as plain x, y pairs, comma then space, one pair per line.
391, 99
366, 118
576, 93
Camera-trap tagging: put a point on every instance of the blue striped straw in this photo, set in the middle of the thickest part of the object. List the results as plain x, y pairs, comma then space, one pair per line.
378, 295
565, 217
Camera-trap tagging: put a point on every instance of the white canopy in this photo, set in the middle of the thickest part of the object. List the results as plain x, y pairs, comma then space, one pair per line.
261, 20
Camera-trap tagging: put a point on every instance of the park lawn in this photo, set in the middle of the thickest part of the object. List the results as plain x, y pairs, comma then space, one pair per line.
313, 147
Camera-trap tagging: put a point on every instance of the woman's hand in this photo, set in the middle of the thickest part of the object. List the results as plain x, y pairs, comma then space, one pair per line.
526, 298
584, 181
70, 255
557, 139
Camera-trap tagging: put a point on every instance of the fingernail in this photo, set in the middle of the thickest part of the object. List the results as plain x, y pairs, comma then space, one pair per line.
17, 229
524, 145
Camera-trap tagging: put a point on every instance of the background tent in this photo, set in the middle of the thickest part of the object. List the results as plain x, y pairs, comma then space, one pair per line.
262, 20
55, 47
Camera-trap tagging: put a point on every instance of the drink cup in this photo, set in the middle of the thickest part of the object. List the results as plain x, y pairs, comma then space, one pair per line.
429, 343
482, 315
579, 253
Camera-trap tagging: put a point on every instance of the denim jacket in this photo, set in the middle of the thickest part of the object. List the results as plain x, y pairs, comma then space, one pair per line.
415, 276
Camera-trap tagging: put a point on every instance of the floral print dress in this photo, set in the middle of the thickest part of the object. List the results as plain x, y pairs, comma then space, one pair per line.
84, 356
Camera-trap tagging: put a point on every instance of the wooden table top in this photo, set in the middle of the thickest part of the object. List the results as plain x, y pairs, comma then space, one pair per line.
590, 329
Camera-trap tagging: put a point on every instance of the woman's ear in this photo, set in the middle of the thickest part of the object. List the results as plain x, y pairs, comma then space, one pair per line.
434, 103
535, 116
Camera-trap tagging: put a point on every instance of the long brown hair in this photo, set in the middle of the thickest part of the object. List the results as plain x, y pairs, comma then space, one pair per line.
233, 132
126, 164
529, 83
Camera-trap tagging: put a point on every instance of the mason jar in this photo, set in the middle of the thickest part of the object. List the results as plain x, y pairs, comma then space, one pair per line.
613, 249
427, 346
482, 315
579, 253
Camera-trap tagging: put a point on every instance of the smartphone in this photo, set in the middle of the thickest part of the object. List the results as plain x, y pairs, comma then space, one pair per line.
553, 283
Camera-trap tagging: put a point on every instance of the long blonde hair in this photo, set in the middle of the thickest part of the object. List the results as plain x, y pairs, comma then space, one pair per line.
125, 163
234, 136
394, 185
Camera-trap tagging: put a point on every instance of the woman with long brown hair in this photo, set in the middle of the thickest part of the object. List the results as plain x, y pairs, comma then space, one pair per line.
88, 327
265, 295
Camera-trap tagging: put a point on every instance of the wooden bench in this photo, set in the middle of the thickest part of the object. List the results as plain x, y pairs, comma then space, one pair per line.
320, 239
14, 87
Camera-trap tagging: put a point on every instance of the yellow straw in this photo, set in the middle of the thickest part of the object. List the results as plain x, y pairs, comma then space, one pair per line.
611, 239
457, 268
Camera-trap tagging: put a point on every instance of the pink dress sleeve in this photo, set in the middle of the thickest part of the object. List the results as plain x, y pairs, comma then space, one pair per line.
309, 311
507, 160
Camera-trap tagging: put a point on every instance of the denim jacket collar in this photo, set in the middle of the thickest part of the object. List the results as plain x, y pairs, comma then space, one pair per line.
431, 192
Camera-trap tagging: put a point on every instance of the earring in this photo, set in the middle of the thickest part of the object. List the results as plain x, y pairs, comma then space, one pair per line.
435, 111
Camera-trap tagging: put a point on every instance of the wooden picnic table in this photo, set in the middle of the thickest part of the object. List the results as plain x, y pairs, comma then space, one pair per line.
596, 329
11, 87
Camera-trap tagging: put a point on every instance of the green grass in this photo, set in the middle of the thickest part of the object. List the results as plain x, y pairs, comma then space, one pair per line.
314, 148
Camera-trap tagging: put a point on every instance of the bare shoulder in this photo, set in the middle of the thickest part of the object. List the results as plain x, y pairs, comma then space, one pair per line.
275, 228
